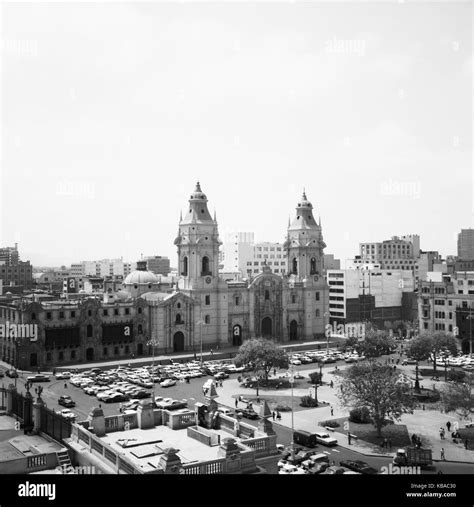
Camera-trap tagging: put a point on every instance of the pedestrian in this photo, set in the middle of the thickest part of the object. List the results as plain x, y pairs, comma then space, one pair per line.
65, 385
274, 372
348, 438
423, 406
441, 435
466, 444
121, 408
332, 411
236, 402
443, 457
278, 416
212, 352
273, 415
385, 443
331, 384
195, 357
448, 425
398, 361
100, 405
240, 398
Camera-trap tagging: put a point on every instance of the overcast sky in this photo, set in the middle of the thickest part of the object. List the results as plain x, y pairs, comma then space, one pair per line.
111, 112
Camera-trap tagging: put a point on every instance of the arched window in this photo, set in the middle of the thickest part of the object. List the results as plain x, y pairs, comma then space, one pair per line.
178, 305
140, 329
313, 266
317, 312
267, 295
89, 313
89, 331
140, 309
294, 267
185, 266
293, 298
205, 266
178, 318
33, 316
207, 319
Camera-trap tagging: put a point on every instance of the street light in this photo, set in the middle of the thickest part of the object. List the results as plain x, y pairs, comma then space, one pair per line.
200, 322
292, 381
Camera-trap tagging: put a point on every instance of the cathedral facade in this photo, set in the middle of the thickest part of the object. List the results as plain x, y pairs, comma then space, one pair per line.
209, 312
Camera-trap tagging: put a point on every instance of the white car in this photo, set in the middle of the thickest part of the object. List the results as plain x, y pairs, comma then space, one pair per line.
168, 383
295, 362
63, 375
325, 438
67, 414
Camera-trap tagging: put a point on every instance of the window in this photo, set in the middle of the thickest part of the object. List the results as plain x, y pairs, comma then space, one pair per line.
294, 266
185, 266
293, 298
267, 295
140, 329
178, 319
116, 312
48, 357
208, 300
48, 315
33, 316
317, 296
89, 313
140, 309
237, 301
312, 266
317, 312
127, 311
205, 266
73, 354
116, 351
106, 313
207, 319
89, 331
105, 351
73, 314
127, 349
61, 356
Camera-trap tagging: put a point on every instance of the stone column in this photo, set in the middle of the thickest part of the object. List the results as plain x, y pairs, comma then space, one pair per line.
145, 415
11, 390
231, 452
170, 462
37, 406
96, 421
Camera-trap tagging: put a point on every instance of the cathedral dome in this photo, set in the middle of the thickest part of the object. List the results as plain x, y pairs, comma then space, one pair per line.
198, 193
140, 277
304, 203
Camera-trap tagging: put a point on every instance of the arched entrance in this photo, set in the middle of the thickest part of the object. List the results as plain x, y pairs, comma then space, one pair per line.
90, 354
267, 327
178, 342
237, 335
293, 330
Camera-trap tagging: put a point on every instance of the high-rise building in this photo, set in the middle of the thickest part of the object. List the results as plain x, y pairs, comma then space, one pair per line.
16, 274
466, 244
158, 265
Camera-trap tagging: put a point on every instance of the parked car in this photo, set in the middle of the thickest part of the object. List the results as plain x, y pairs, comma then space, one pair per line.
248, 414
358, 466
296, 362
66, 401
221, 375
408, 360
67, 414
325, 438
168, 383
11, 373
62, 375
171, 404
335, 470
38, 378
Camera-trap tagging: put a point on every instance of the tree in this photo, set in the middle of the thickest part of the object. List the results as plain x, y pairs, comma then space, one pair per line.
420, 349
442, 342
457, 397
374, 385
375, 344
316, 379
261, 355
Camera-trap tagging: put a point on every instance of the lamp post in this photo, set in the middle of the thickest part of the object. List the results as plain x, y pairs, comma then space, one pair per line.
292, 381
153, 343
200, 322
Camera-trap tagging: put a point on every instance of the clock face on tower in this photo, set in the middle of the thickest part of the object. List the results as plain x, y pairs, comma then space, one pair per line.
208, 279
316, 278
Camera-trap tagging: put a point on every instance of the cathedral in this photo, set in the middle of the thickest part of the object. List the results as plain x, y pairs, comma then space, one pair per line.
205, 310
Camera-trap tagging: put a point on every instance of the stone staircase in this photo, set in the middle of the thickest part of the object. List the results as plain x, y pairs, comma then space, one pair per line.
64, 461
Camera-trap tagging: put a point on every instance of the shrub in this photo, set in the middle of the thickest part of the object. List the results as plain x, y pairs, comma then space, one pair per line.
308, 401
283, 408
360, 415
456, 376
330, 424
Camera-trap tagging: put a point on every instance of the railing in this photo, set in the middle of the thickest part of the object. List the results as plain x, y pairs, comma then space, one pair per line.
226, 423
217, 466
111, 423
36, 461
204, 436
119, 422
246, 430
181, 420
259, 445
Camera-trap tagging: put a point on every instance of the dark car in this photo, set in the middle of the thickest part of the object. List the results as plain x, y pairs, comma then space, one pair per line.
11, 373
248, 414
38, 378
408, 360
358, 466
66, 401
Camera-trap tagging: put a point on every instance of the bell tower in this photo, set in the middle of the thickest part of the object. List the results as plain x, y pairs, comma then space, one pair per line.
198, 244
304, 243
